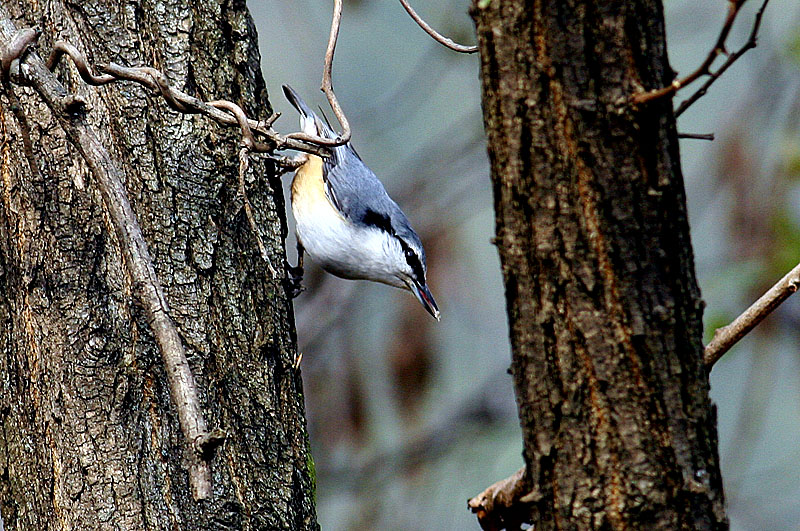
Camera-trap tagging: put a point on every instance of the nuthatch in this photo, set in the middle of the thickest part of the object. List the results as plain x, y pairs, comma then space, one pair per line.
347, 222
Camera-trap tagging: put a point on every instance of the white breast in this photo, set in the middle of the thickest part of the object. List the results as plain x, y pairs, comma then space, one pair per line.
333, 242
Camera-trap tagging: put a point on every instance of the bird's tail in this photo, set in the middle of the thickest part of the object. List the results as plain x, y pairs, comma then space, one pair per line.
310, 123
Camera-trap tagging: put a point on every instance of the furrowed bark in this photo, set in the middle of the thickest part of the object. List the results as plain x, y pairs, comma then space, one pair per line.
604, 309
88, 436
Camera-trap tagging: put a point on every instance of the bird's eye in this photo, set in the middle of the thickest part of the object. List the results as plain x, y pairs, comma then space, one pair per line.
409, 253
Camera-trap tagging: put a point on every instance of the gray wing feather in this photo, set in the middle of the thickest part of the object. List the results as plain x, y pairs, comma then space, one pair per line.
352, 187
360, 196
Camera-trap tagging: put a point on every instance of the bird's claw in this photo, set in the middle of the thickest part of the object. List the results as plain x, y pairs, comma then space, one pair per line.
294, 283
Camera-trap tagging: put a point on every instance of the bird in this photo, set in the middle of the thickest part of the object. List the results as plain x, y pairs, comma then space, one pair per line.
347, 223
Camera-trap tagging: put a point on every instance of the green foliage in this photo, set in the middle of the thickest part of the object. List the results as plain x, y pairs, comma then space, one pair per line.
787, 243
312, 473
792, 163
794, 48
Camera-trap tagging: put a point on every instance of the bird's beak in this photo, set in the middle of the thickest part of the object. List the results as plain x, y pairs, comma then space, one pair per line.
423, 294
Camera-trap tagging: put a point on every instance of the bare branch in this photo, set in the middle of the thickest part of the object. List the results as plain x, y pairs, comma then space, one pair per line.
248, 140
109, 179
751, 43
327, 88
705, 68
16, 47
178, 100
60, 48
438, 37
727, 336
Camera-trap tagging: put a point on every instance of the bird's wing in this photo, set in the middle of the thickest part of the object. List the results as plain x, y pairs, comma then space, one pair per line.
358, 194
351, 186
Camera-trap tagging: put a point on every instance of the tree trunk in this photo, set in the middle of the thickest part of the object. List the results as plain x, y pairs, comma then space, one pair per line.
603, 304
89, 438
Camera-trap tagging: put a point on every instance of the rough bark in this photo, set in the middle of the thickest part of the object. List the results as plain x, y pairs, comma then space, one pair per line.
88, 436
604, 309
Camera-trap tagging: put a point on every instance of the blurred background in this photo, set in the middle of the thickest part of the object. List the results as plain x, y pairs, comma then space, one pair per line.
408, 417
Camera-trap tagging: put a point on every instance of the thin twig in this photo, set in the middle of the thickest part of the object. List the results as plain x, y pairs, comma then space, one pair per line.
327, 88
751, 43
244, 164
438, 37
704, 68
327, 72
60, 48
249, 143
727, 336
109, 179
247, 133
697, 136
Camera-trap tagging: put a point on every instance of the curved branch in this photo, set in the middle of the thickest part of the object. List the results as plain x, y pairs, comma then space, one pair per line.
144, 77
16, 47
248, 140
138, 261
327, 84
167, 92
327, 88
178, 100
438, 37
60, 48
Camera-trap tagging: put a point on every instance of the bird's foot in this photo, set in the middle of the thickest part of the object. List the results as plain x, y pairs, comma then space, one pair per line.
294, 283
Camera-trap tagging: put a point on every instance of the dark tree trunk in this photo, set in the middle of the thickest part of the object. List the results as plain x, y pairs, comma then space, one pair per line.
89, 438
604, 309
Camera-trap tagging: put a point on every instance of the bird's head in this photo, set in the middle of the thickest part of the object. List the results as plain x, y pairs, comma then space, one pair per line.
409, 260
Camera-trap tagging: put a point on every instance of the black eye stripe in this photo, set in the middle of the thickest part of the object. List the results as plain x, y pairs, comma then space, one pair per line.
413, 260
382, 222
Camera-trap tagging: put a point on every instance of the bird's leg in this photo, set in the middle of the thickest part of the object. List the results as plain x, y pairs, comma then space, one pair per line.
295, 280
